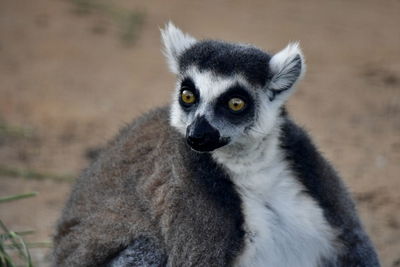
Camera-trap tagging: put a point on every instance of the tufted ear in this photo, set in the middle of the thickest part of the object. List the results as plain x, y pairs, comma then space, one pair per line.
175, 43
287, 67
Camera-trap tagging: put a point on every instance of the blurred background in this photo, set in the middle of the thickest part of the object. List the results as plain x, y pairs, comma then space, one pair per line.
72, 72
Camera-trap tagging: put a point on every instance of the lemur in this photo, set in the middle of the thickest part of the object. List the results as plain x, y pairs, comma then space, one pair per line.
222, 177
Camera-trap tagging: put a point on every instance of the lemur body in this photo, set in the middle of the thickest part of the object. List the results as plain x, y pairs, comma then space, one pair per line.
226, 179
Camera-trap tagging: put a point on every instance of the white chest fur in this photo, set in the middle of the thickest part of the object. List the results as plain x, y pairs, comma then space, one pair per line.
284, 226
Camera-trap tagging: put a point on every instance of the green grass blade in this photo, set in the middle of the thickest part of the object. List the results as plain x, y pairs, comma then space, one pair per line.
17, 197
33, 174
5, 259
44, 244
13, 238
4, 237
25, 251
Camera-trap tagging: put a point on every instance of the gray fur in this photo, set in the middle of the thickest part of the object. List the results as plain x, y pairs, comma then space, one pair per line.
129, 193
141, 252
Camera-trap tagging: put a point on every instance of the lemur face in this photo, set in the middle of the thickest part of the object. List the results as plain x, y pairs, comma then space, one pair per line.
211, 110
227, 93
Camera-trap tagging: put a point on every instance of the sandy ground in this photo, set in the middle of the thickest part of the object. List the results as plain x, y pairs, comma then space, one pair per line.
68, 83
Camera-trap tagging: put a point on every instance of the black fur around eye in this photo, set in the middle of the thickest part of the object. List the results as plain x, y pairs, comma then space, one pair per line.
188, 83
235, 105
188, 95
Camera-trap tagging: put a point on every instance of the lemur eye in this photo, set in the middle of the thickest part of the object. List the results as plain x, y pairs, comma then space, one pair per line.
236, 104
188, 97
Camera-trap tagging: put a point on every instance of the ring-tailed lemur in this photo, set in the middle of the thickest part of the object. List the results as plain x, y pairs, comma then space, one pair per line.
221, 178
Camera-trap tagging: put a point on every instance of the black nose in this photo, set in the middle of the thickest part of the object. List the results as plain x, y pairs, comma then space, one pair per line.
195, 139
201, 136
201, 131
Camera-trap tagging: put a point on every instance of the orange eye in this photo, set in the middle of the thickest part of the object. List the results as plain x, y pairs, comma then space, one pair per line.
236, 104
188, 97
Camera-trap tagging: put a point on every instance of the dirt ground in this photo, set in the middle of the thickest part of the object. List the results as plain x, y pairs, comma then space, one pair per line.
68, 82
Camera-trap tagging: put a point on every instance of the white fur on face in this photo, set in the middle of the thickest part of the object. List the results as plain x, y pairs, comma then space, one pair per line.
209, 85
175, 43
267, 117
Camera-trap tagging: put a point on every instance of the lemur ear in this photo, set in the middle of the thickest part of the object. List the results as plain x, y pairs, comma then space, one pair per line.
175, 42
287, 67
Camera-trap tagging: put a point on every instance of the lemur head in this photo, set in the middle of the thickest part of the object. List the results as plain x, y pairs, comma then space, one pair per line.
227, 93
